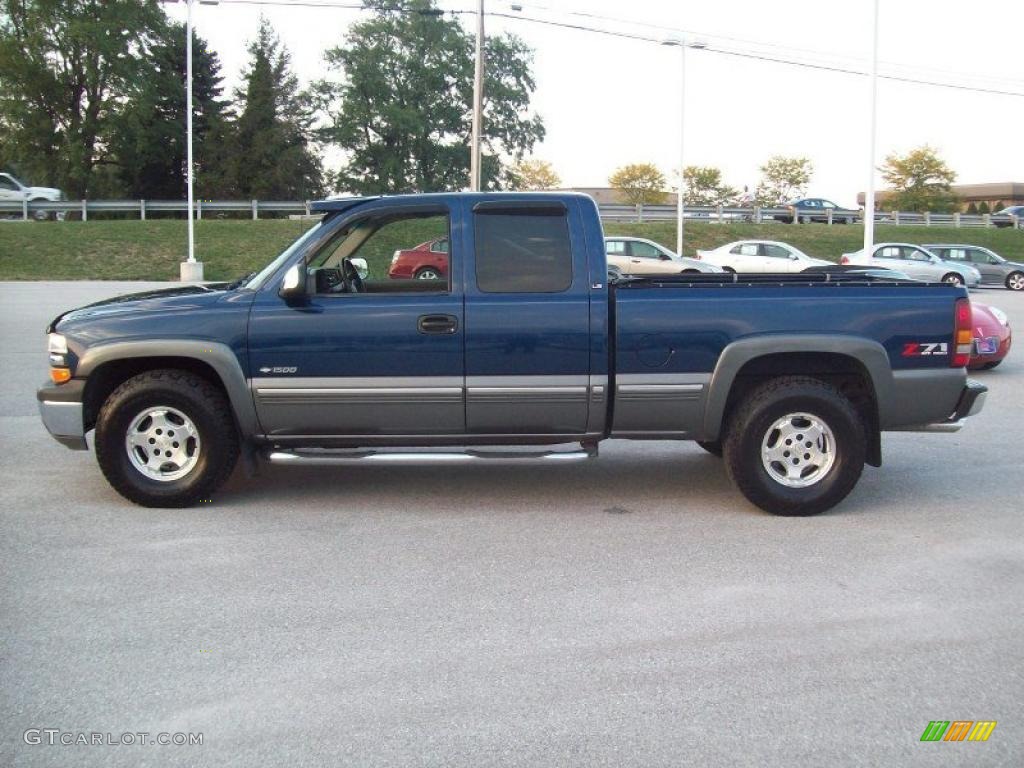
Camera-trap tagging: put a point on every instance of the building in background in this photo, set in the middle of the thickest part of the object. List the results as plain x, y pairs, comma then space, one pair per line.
996, 196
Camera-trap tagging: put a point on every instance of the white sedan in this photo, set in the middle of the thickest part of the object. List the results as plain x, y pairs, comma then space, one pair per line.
637, 256
760, 256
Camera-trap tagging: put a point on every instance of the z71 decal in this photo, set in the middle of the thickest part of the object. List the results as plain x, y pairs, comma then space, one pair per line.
916, 349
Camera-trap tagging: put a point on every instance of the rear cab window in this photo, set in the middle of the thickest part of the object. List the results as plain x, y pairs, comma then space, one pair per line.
523, 249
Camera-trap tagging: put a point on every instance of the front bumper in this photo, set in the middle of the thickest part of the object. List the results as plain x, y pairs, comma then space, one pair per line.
63, 414
972, 400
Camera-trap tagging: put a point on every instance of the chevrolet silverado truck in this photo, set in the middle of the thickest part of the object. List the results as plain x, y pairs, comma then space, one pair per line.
523, 351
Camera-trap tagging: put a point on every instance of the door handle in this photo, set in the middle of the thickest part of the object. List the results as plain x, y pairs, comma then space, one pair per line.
443, 324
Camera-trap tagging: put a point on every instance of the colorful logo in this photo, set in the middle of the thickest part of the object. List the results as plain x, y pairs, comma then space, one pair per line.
958, 730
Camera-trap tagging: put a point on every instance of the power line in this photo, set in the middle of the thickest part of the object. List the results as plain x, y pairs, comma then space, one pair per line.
581, 27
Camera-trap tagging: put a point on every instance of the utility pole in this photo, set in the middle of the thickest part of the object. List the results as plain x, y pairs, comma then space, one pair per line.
869, 194
478, 102
682, 44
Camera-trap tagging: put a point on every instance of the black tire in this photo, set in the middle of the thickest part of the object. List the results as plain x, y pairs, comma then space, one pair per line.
730, 270
952, 278
203, 403
1015, 279
751, 423
993, 364
427, 273
714, 447
40, 215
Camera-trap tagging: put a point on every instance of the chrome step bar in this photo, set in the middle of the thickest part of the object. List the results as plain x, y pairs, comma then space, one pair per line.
326, 457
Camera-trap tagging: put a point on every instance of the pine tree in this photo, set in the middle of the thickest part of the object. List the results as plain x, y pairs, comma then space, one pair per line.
272, 155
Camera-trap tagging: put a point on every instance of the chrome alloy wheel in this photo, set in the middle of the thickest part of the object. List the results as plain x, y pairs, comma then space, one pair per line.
1015, 282
162, 443
798, 450
954, 279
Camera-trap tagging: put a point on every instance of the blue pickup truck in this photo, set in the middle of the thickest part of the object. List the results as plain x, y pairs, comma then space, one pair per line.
524, 350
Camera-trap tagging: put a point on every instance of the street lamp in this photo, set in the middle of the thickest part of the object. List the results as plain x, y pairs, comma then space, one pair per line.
682, 44
478, 103
190, 270
869, 194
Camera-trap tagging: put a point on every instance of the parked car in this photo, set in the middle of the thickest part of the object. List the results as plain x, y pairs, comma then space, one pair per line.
637, 256
994, 269
816, 209
918, 262
306, 363
1003, 218
426, 261
14, 191
878, 273
760, 256
992, 336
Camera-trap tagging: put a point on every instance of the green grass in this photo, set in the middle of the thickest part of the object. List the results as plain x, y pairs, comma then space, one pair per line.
151, 250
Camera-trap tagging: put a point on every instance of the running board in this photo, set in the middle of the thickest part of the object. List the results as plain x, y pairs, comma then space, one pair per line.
325, 457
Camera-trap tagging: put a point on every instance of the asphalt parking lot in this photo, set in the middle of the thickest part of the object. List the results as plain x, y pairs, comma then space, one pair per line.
634, 610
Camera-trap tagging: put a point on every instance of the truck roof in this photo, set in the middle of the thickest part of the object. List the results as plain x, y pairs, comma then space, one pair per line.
337, 204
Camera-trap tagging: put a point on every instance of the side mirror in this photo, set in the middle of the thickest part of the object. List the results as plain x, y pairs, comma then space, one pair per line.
293, 287
793, 257
361, 267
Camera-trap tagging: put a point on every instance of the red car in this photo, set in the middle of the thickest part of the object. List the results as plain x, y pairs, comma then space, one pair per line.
992, 336
427, 261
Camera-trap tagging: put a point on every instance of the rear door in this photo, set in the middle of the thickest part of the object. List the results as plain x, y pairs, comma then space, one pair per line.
778, 258
527, 318
991, 272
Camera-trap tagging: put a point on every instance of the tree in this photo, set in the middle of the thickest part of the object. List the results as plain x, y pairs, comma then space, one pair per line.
67, 65
920, 181
782, 179
402, 105
639, 184
272, 153
534, 175
149, 138
983, 208
703, 187
972, 209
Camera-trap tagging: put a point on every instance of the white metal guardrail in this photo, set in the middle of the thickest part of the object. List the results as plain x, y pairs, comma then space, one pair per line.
82, 209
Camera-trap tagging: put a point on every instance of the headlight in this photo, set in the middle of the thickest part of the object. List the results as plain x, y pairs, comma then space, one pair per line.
1000, 315
56, 344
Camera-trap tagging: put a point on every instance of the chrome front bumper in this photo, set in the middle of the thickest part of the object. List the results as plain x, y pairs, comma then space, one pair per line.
63, 419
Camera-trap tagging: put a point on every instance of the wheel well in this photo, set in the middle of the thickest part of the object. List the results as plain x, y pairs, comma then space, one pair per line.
845, 373
109, 376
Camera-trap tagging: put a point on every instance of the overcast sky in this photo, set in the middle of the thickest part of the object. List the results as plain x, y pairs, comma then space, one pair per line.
608, 101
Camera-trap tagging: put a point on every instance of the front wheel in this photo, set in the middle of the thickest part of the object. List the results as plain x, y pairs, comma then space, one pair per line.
795, 446
953, 279
1015, 281
166, 438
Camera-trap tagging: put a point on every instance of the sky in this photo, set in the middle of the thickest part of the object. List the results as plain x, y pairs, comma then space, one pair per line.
608, 101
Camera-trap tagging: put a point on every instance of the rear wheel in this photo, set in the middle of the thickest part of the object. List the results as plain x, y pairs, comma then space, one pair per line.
730, 270
795, 446
993, 364
427, 273
953, 279
166, 438
1015, 281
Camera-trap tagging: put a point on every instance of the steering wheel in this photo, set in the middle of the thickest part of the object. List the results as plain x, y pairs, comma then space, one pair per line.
350, 275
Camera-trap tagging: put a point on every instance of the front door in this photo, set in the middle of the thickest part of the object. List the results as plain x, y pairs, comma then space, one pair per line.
383, 361
527, 320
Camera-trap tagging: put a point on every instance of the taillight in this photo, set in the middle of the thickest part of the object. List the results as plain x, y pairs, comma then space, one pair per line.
962, 337
844, 260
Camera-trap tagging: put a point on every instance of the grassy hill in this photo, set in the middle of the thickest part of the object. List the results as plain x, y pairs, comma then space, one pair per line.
151, 250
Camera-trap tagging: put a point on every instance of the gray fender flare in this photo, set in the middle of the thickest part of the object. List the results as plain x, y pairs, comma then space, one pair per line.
218, 356
868, 353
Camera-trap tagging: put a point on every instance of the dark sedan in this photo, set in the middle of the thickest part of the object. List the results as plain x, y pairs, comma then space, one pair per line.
816, 209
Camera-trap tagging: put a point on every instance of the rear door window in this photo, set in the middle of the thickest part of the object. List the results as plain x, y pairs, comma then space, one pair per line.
523, 250
644, 251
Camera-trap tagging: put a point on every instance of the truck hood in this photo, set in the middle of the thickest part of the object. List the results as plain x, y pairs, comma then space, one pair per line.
178, 298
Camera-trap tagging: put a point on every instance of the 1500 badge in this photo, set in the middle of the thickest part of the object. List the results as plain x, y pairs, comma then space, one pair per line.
279, 369
916, 349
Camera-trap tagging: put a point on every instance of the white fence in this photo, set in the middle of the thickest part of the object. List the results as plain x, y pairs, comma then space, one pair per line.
82, 209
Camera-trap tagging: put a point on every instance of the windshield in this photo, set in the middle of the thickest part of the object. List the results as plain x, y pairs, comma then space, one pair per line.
256, 281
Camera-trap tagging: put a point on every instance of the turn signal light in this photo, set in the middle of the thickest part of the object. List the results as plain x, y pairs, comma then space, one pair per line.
961, 335
60, 375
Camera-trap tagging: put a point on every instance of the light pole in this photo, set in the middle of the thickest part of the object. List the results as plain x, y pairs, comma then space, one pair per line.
478, 102
190, 270
869, 194
682, 44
